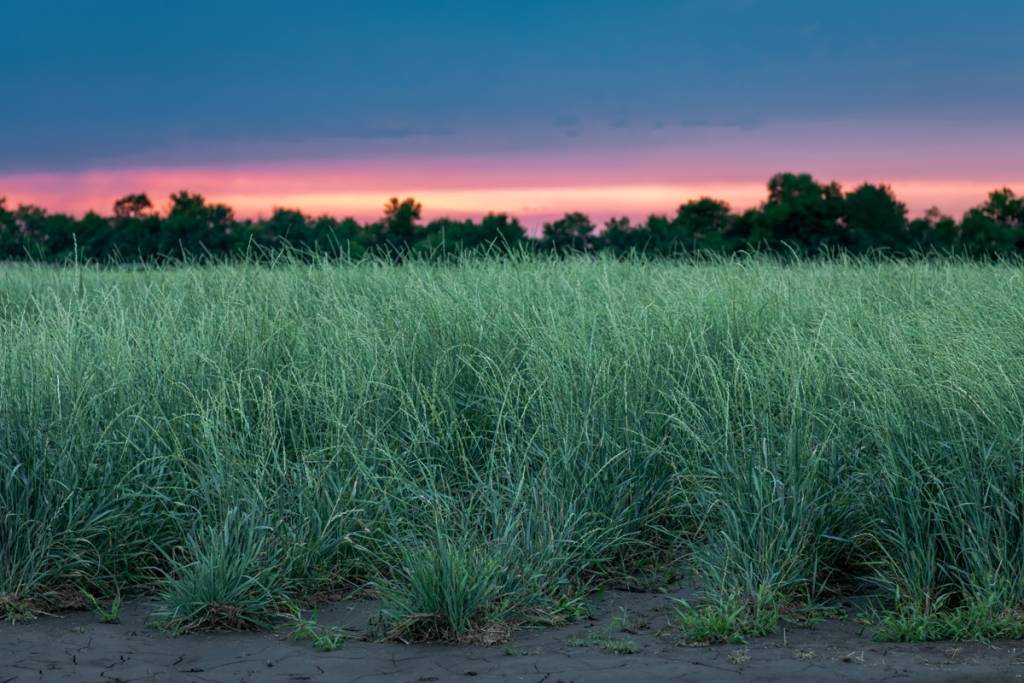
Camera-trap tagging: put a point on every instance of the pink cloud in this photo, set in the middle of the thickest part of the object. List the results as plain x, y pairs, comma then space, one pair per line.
609, 173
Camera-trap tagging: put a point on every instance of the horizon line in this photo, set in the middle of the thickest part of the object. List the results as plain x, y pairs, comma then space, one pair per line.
250, 194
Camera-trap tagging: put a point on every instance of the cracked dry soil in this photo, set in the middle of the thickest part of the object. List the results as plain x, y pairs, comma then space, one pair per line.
76, 647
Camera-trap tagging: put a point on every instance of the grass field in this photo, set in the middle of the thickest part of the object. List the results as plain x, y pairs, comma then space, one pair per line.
483, 444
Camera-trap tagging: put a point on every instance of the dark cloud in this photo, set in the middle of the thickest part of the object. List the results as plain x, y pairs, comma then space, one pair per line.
747, 124
88, 83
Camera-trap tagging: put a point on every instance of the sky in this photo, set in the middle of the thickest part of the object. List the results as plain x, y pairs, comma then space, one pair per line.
531, 107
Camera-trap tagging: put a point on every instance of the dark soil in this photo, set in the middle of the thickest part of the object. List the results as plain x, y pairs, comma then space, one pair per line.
76, 647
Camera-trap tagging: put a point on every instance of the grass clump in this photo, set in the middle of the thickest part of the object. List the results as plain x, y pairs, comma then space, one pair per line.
977, 622
620, 646
324, 638
446, 591
107, 615
723, 621
485, 442
229, 579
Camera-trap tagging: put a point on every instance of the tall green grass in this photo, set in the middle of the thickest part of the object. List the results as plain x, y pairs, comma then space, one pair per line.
484, 443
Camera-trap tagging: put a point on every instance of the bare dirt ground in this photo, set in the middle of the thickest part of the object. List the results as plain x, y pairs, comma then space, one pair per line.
77, 647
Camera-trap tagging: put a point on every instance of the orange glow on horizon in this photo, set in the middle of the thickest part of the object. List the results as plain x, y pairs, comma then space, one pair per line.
533, 198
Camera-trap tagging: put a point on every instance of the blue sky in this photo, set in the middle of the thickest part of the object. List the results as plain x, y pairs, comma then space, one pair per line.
120, 85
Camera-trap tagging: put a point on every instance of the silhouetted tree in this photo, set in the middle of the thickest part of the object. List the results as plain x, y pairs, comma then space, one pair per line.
98, 240
396, 233
29, 234
572, 232
661, 236
134, 231
338, 238
285, 226
935, 232
132, 206
495, 234
195, 228
445, 237
801, 214
1005, 208
499, 233
703, 225
875, 220
622, 237
996, 228
10, 235
742, 228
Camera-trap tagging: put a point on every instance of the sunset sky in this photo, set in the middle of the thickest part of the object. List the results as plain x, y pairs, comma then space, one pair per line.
529, 107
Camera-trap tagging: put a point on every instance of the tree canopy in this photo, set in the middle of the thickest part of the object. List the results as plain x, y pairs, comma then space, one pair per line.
800, 215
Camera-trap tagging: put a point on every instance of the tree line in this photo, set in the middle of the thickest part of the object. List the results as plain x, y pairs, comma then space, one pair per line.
800, 216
